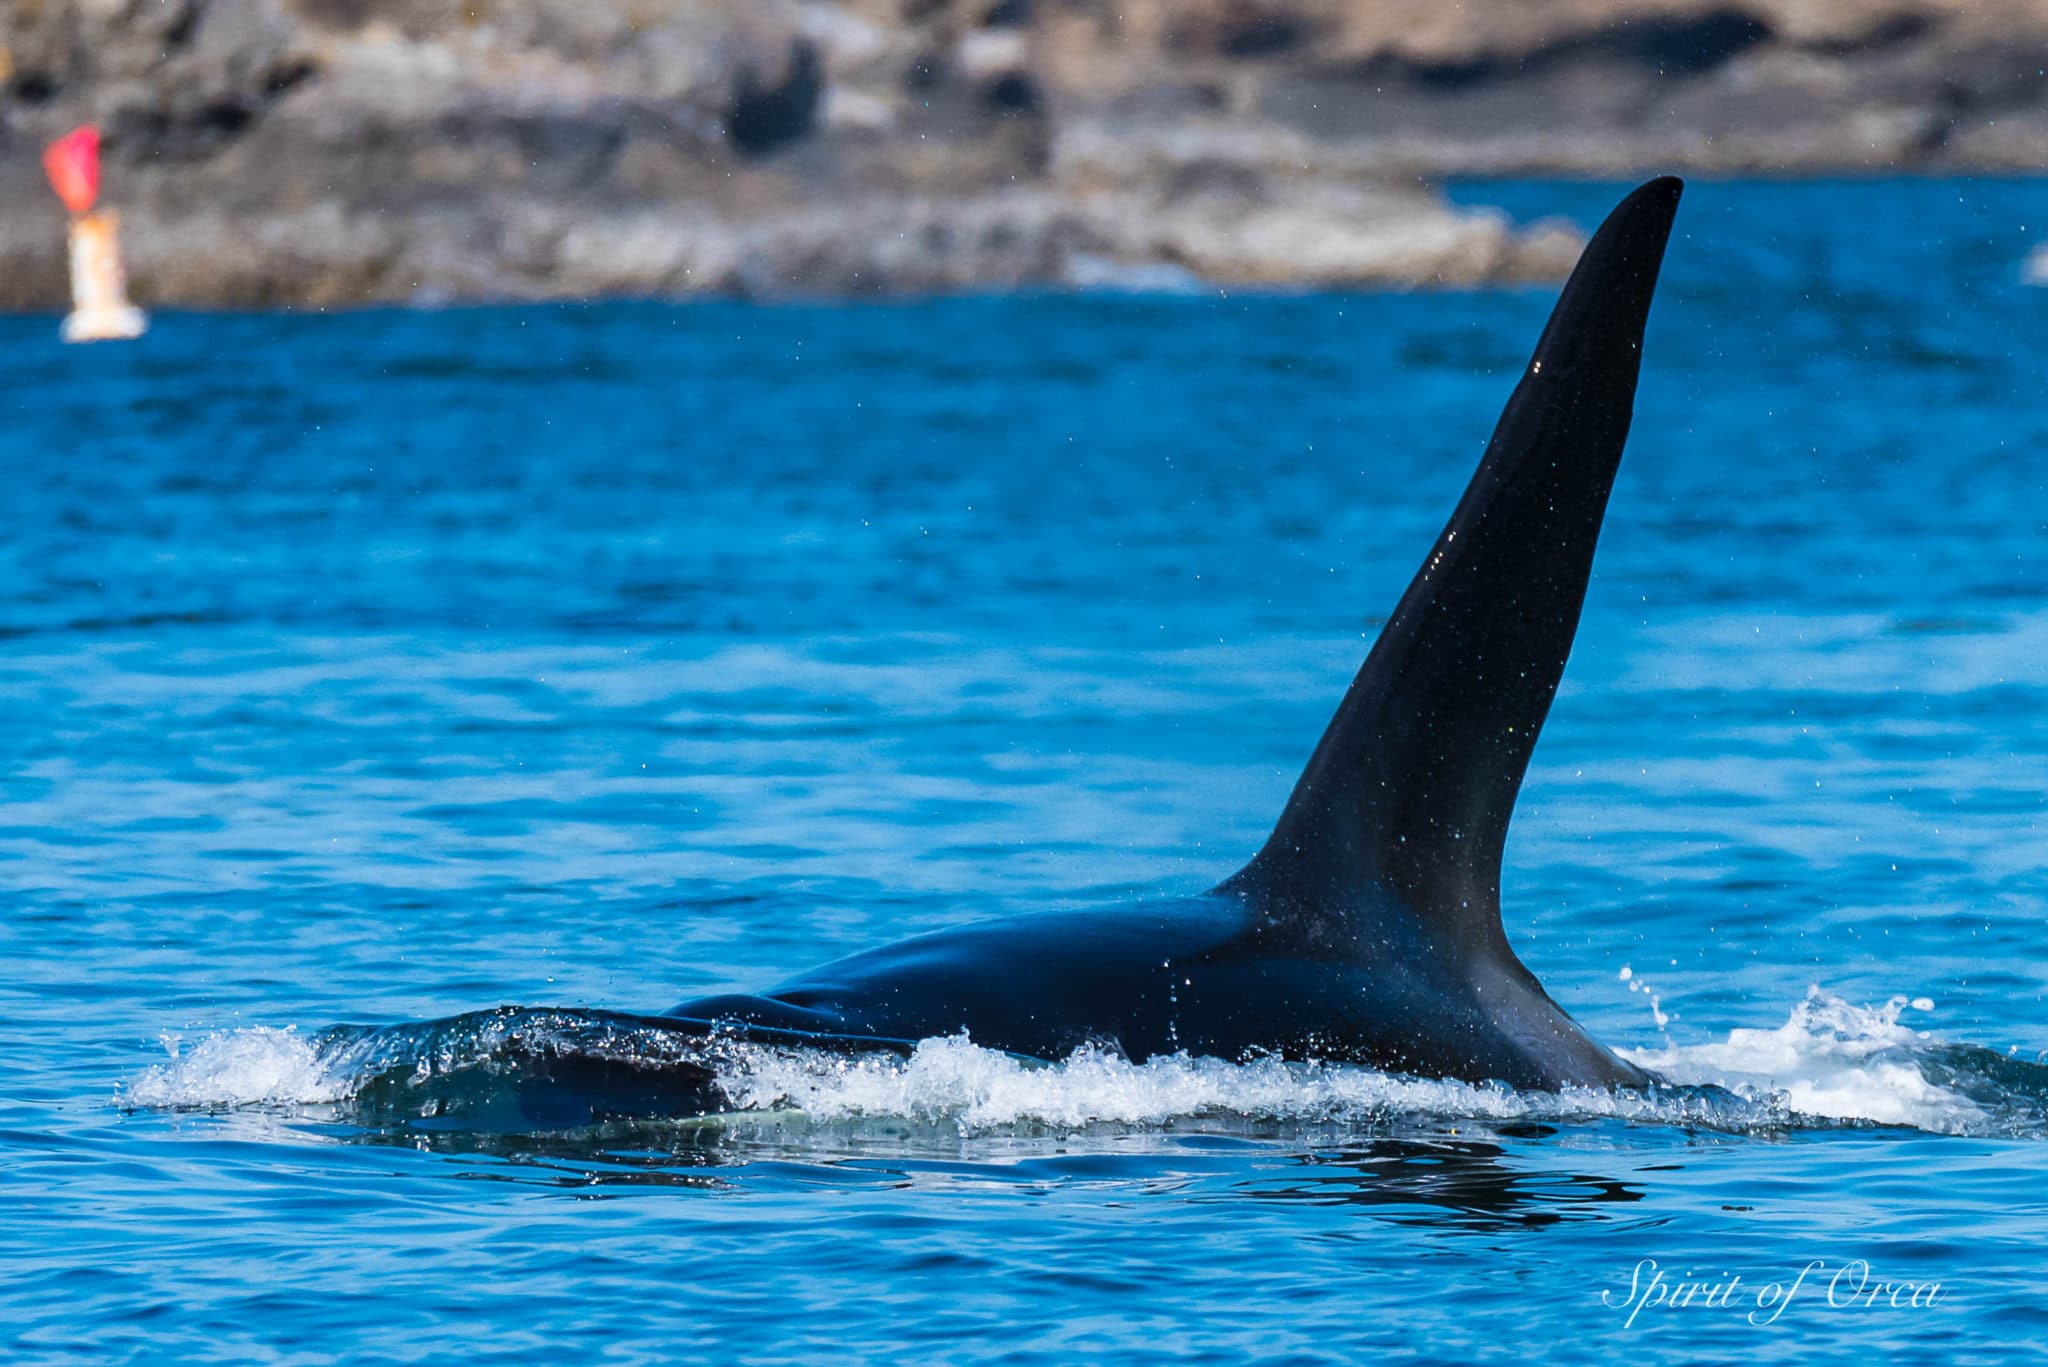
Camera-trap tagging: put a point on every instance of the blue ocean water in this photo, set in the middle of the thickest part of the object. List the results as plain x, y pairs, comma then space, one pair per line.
379, 668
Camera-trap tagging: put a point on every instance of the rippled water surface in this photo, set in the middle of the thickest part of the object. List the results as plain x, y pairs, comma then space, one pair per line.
396, 707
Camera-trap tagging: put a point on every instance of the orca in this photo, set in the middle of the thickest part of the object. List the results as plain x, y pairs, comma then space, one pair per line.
1368, 927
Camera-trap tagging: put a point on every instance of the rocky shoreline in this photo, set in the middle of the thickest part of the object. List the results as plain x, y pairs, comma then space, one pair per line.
329, 152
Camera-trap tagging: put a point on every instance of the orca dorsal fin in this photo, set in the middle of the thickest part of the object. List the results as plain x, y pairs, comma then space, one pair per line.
1412, 786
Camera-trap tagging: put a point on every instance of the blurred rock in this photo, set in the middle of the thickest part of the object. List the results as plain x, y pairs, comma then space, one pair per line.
314, 152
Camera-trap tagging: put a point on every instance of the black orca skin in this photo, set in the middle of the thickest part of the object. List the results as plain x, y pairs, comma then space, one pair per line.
1368, 927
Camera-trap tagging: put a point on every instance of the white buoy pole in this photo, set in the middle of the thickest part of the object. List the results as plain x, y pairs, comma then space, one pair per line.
100, 311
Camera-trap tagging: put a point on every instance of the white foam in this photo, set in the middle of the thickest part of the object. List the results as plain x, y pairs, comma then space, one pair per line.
1830, 1060
255, 1066
954, 1080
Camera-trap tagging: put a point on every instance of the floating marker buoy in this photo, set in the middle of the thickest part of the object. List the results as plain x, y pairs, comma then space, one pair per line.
100, 310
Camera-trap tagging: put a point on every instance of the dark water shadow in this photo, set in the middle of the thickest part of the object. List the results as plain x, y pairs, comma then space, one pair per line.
1466, 1184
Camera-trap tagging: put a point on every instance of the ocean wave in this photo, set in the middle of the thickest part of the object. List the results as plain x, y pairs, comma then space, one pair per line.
1831, 1064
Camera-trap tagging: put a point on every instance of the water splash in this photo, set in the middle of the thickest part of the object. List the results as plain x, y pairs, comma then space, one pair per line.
515, 1070
249, 1067
1832, 1061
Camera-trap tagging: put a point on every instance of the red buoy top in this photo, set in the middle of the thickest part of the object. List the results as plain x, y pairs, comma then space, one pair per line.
73, 164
